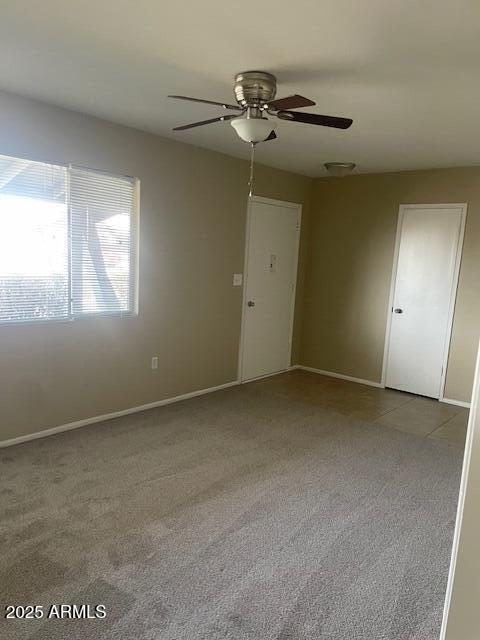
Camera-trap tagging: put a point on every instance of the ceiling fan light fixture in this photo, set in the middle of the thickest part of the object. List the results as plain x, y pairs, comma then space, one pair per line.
339, 169
253, 129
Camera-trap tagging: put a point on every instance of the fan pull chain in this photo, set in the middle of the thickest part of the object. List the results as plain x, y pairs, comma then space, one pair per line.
252, 159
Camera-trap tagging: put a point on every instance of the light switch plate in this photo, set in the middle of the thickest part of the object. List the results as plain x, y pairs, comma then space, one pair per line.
237, 279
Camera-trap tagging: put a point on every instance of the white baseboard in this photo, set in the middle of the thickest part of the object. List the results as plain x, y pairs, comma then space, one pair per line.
114, 414
185, 396
332, 374
267, 375
459, 403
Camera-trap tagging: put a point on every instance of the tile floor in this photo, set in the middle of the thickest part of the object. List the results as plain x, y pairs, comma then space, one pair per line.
395, 409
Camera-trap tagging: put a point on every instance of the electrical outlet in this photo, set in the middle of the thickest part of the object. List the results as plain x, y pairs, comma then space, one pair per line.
237, 279
155, 362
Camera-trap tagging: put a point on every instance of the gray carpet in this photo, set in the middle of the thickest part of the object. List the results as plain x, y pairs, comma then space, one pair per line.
239, 515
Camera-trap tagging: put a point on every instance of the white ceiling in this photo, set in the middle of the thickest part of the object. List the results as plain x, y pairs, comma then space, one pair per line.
407, 72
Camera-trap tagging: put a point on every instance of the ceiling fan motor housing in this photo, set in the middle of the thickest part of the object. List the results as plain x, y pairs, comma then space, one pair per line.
255, 94
254, 88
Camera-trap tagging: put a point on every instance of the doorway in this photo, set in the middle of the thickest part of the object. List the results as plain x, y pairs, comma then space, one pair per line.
422, 300
271, 257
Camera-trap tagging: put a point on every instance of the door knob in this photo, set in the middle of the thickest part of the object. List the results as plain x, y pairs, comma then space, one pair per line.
251, 303
398, 310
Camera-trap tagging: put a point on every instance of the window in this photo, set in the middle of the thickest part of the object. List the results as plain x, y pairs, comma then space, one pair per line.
67, 242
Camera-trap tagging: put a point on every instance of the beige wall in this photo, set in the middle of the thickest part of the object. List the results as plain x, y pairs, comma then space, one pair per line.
350, 256
193, 207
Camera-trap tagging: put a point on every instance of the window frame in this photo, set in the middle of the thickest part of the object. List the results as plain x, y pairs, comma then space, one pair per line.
134, 251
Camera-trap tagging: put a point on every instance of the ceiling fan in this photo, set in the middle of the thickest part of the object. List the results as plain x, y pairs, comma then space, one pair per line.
255, 94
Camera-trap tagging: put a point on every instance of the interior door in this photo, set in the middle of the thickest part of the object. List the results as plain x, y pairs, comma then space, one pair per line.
271, 268
424, 294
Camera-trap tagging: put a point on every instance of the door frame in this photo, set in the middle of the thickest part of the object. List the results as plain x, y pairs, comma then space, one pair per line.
291, 205
471, 443
453, 293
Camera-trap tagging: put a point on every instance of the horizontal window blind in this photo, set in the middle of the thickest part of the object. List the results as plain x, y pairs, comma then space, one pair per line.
34, 278
67, 242
102, 239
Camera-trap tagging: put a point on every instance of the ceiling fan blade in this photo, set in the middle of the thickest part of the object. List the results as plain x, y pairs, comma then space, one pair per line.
202, 122
291, 102
272, 136
218, 104
314, 118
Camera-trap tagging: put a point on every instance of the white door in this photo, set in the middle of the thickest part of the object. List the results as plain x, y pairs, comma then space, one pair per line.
424, 296
271, 271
